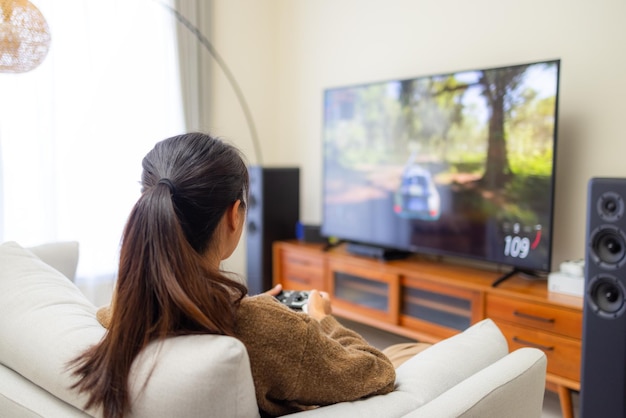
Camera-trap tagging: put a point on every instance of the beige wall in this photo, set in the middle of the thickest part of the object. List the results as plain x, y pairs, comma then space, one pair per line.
285, 52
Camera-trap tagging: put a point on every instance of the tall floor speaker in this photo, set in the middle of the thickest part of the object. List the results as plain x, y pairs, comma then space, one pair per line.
603, 365
273, 212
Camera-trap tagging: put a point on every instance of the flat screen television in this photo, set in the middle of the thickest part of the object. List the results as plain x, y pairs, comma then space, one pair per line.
459, 164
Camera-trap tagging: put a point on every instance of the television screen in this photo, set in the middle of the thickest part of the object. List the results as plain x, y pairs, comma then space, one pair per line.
458, 164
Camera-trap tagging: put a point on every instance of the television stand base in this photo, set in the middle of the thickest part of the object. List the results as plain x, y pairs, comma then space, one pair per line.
373, 251
511, 274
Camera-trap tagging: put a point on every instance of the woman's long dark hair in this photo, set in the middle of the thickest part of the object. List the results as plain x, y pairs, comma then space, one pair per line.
165, 285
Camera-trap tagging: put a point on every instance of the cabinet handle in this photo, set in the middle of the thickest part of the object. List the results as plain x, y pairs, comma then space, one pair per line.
532, 344
293, 260
298, 279
533, 317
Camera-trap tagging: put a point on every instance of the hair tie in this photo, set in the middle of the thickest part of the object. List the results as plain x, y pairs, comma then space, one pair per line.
169, 184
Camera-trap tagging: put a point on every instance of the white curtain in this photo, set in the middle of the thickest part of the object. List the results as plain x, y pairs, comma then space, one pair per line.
74, 130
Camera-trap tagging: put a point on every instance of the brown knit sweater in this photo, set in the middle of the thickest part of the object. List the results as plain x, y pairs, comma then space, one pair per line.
299, 363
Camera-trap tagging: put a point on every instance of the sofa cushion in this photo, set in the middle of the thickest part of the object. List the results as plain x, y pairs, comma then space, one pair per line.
63, 256
20, 398
45, 321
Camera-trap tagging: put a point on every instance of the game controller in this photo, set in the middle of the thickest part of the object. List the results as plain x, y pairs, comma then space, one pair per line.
294, 299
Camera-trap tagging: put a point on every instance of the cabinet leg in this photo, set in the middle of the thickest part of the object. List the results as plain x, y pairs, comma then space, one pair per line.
565, 398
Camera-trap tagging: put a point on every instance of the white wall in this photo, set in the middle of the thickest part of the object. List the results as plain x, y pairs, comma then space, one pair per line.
285, 52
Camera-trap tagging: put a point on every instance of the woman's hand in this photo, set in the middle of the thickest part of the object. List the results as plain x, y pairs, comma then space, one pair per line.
319, 305
274, 291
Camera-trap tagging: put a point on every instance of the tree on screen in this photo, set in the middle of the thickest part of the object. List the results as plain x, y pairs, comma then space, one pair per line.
498, 87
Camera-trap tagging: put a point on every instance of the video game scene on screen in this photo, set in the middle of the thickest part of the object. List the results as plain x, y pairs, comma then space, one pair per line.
456, 164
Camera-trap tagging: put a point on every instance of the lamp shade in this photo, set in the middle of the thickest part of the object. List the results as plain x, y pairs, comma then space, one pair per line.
24, 36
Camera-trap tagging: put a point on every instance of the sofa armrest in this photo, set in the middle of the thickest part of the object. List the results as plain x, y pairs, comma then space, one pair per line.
513, 387
45, 322
428, 375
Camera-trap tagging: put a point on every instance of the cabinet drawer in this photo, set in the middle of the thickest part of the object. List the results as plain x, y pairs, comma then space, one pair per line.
301, 271
563, 353
544, 317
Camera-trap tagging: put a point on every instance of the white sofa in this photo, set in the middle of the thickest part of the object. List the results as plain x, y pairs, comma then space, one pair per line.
45, 321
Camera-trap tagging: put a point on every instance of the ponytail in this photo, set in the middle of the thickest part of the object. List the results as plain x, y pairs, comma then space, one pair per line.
180, 290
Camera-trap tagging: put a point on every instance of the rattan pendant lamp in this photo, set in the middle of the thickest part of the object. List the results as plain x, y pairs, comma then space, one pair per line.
24, 36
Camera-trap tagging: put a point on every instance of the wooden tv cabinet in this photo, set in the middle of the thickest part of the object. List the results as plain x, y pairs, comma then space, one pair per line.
429, 300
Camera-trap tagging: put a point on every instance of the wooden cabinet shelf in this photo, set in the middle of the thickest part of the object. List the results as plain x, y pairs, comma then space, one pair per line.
443, 310
370, 291
431, 300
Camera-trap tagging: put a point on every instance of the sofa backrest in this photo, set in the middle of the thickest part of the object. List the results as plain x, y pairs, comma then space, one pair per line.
45, 321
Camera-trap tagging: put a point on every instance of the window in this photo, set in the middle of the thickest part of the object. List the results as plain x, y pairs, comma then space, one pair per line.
74, 130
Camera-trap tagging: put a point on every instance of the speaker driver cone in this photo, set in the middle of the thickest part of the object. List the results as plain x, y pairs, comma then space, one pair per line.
608, 247
606, 295
610, 206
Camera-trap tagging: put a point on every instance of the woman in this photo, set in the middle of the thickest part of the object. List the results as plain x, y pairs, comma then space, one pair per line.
188, 219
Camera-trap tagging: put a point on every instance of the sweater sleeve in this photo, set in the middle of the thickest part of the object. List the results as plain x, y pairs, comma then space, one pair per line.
298, 363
